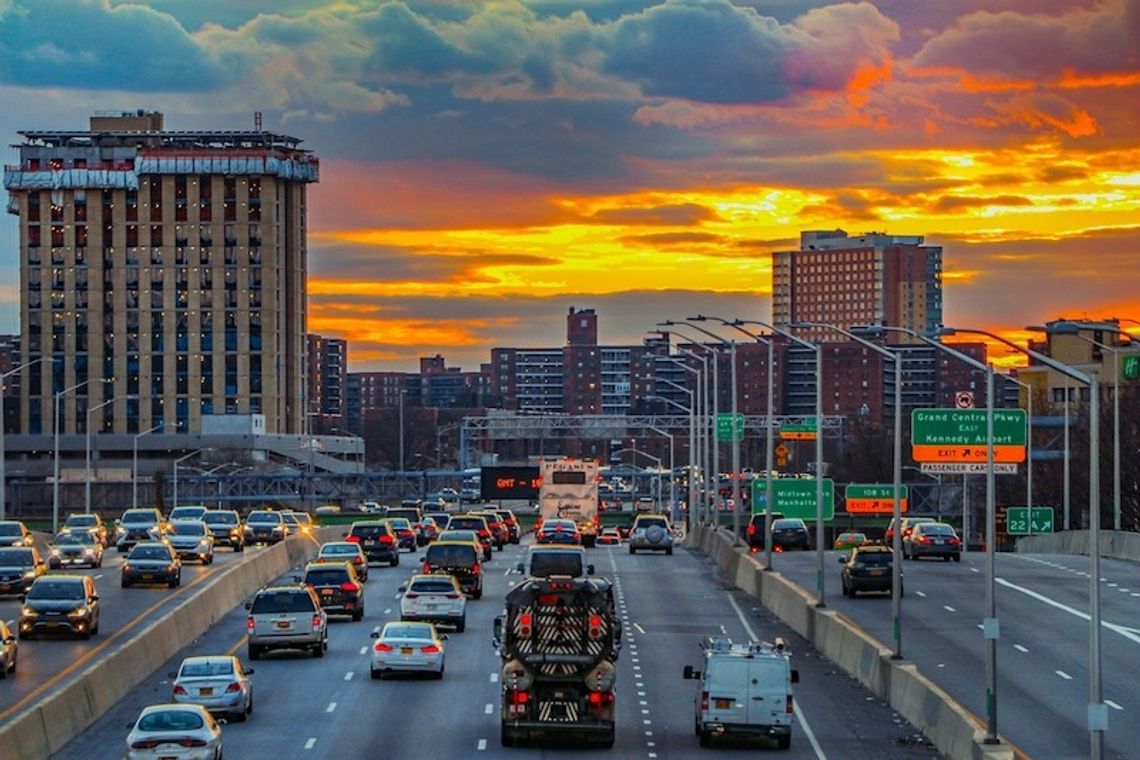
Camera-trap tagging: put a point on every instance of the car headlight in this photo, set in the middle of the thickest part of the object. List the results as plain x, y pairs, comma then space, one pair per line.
127, 568
278, 529
79, 611
88, 552
29, 573
29, 612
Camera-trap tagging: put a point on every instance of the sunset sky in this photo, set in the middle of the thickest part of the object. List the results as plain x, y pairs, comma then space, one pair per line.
485, 166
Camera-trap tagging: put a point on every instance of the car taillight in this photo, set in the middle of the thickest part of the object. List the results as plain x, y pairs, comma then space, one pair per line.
192, 742
351, 588
923, 540
476, 568
704, 700
954, 541
352, 539
380, 646
411, 595
249, 623
453, 596
790, 707
516, 697
595, 626
357, 560
179, 688
145, 744
386, 539
752, 530
484, 533
524, 624
235, 686
316, 622
430, 649
599, 698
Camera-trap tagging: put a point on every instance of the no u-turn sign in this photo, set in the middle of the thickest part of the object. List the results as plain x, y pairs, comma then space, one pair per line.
964, 400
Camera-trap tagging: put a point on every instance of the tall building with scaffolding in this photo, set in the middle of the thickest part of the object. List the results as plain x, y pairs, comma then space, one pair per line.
164, 273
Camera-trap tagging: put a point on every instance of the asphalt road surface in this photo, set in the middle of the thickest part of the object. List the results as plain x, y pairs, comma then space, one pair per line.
329, 707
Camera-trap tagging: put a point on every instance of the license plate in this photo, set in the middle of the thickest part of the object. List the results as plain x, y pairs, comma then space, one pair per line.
326, 592
369, 542
938, 541
878, 571
206, 692
148, 576
723, 704
405, 650
284, 624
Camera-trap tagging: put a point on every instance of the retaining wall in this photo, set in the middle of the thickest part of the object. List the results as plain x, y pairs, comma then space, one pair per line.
1113, 544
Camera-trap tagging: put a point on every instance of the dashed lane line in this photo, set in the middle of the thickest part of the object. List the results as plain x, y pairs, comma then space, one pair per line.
311, 742
1064, 675
1020, 648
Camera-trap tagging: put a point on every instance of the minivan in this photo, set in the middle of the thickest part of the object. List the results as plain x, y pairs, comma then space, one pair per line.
458, 559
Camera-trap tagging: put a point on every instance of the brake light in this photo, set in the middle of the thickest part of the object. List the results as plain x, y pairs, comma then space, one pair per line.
411, 595
179, 689
352, 539
316, 622
524, 624
923, 540
595, 626
704, 700
954, 541
518, 697
351, 588
484, 533
476, 568
430, 649
380, 646
386, 539
453, 596
752, 530
790, 707
145, 744
427, 568
249, 623
193, 743
599, 698
357, 560
235, 686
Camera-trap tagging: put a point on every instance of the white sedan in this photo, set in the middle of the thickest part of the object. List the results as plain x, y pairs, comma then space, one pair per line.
185, 732
408, 648
434, 599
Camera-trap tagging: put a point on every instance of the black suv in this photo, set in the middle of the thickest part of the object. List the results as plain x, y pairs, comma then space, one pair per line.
377, 541
790, 533
754, 531
866, 568
458, 559
337, 587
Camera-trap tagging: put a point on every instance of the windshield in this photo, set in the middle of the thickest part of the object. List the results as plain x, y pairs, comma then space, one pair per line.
934, 529
445, 555
406, 631
338, 549
785, 524
139, 516
9, 529
408, 514
658, 521
15, 557
149, 552
74, 538
433, 585
369, 531
264, 517
874, 558
400, 524
56, 589
545, 564
171, 720
183, 513
220, 518
205, 668
195, 528
82, 521
470, 523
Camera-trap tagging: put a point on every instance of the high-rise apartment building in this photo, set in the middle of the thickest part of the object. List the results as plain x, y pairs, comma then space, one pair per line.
326, 381
873, 278
165, 272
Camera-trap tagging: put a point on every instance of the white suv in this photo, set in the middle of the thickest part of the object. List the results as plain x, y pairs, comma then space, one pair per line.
652, 533
434, 599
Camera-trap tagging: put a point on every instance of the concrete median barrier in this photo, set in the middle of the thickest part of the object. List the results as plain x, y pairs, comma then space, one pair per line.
1113, 544
47, 725
952, 728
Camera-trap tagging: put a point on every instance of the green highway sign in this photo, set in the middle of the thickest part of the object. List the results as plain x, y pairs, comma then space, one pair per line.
874, 498
966, 427
803, 431
725, 430
1130, 367
1019, 521
795, 497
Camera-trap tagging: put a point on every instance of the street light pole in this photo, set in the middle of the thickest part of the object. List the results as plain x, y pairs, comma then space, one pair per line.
55, 464
712, 445
701, 407
135, 464
1115, 427
896, 563
691, 411
3, 426
1028, 443
402, 393
87, 461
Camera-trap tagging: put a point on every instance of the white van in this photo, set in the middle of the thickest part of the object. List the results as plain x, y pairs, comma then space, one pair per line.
746, 691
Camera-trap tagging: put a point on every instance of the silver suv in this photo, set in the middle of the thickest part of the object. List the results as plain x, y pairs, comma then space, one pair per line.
286, 617
652, 533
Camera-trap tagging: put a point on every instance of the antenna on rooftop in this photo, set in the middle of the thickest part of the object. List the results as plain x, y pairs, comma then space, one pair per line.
257, 121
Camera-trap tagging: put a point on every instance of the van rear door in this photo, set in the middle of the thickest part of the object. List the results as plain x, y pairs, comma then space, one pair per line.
727, 684
768, 689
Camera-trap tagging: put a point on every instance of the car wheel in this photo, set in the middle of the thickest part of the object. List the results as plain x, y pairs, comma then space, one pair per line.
172, 583
249, 707
632, 550
239, 548
253, 652
669, 552
945, 557
439, 674
705, 739
85, 635
239, 716
395, 561
4, 671
477, 594
124, 583
461, 626
783, 742
358, 615
319, 650
957, 557
843, 587
376, 674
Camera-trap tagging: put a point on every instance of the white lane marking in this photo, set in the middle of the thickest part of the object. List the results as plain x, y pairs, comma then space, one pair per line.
1064, 675
348, 676
647, 722
364, 650
331, 707
649, 733
723, 630
920, 593
948, 608
388, 611
639, 628
488, 708
1020, 648
482, 745
1124, 590
1128, 633
100, 575
1113, 705
799, 713
312, 741
975, 570
494, 677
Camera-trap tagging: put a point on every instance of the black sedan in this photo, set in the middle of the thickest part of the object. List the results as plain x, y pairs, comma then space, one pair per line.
866, 568
152, 562
558, 532
790, 533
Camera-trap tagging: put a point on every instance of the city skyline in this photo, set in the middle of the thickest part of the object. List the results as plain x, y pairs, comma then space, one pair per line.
484, 167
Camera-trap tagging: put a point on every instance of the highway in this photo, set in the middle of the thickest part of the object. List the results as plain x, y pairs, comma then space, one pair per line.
329, 707
1042, 656
48, 662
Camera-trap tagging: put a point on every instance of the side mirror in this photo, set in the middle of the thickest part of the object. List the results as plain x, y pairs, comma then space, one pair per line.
249, 671
497, 633
402, 589
423, 559
589, 569
374, 635
795, 676
520, 569
842, 560
249, 605
443, 637
94, 597
344, 535
689, 673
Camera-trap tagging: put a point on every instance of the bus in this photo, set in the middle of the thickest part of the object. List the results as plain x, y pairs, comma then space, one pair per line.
569, 490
